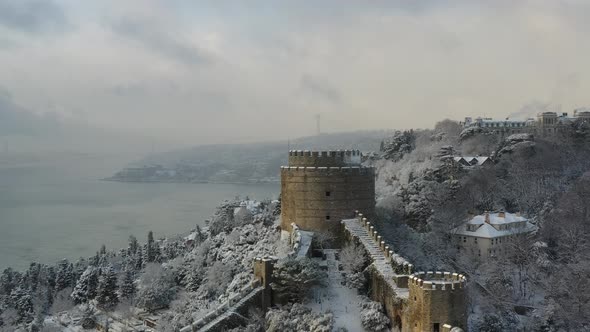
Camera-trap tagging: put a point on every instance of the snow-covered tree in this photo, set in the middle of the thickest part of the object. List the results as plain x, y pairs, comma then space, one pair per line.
194, 276
293, 278
106, 294
354, 260
86, 287
395, 147
219, 275
23, 303
127, 286
491, 323
150, 255
133, 245
156, 289
139, 261
7, 281
63, 277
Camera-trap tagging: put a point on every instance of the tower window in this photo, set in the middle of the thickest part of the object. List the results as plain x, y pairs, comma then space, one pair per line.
328, 193
328, 217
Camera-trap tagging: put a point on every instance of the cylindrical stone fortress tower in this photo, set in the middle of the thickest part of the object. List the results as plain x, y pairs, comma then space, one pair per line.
436, 299
319, 189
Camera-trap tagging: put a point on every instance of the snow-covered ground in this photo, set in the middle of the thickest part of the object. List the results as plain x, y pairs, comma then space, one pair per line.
342, 301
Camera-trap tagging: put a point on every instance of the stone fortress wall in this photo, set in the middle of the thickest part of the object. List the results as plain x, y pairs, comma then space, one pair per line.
318, 189
414, 302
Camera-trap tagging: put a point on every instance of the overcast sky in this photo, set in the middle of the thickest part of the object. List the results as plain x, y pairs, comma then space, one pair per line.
224, 71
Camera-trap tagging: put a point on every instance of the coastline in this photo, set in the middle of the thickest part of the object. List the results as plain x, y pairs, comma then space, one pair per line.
277, 181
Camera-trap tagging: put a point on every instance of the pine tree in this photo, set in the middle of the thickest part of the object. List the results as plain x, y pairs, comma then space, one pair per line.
23, 303
103, 261
6, 282
107, 289
157, 252
79, 268
95, 259
193, 279
86, 287
51, 276
48, 299
63, 278
127, 288
33, 275
149, 252
103, 250
170, 251
133, 245
139, 261
200, 236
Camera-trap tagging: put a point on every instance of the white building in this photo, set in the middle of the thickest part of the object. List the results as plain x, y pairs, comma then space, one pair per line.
491, 234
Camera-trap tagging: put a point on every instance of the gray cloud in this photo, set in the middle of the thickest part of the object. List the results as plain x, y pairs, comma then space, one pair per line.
319, 90
129, 89
212, 71
32, 15
152, 36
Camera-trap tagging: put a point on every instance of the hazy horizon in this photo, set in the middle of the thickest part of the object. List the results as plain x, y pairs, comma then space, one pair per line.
182, 73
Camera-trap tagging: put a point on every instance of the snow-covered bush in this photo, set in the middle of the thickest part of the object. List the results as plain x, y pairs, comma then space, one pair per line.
372, 316
293, 278
491, 323
296, 317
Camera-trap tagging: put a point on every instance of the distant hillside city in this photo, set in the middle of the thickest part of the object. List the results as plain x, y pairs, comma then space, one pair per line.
258, 162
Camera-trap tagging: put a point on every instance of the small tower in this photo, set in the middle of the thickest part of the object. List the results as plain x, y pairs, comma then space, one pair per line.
263, 268
436, 299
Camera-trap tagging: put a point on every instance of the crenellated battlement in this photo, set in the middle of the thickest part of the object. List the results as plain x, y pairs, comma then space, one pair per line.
438, 280
399, 264
324, 154
327, 170
336, 158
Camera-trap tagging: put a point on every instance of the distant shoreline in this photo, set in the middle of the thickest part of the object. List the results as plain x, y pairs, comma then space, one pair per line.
189, 182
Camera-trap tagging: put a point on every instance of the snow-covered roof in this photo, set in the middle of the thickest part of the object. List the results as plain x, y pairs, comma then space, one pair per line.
480, 160
497, 218
492, 225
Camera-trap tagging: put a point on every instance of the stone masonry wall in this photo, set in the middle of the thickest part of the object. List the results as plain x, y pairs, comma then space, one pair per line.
436, 298
317, 198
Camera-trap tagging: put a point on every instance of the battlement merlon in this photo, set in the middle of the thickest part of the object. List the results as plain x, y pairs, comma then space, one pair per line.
326, 170
337, 158
438, 280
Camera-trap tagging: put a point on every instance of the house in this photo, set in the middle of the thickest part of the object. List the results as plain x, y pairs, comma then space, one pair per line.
473, 161
491, 234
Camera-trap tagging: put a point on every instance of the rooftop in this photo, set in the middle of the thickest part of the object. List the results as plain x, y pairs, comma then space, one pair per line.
492, 225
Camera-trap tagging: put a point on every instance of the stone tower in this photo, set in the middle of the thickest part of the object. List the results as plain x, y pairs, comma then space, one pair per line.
436, 299
319, 189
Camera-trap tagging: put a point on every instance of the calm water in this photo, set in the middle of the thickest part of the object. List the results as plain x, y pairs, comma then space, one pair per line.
57, 208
